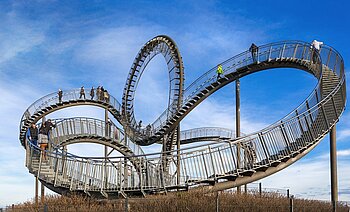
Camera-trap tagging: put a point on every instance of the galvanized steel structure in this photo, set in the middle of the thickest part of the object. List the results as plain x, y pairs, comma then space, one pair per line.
228, 162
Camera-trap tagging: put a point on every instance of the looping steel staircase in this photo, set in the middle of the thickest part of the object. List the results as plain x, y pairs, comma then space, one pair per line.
228, 162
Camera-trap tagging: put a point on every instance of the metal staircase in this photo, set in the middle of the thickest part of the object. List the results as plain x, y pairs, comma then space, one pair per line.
228, 162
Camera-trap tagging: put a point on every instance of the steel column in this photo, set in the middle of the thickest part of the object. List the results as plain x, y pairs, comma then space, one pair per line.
238, 125
36, 191
178, 154
107, 126
42, 195
333, 163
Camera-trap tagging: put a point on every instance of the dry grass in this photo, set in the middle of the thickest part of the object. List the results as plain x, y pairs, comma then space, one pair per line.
182, 201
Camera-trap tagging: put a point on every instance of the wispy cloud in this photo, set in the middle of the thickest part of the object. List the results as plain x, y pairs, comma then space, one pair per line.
310, 178
213, 113
18, 36
341, 154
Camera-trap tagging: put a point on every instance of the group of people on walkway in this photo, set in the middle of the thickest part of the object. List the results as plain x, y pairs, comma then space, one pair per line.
254, 49
40, 136
101, 94
147, 129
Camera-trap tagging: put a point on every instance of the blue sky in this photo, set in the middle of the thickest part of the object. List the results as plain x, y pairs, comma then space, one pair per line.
47, 45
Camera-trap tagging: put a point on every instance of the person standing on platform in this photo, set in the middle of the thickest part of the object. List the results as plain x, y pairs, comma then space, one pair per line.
315, 49
32, 134
219, 71
254, 50
102, 93
48, 127
106, 96
98, 93
92, 92
43, 139
140, 125
60, 94
82, 92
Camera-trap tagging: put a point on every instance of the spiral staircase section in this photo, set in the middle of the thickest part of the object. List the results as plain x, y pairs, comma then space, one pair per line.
228, 162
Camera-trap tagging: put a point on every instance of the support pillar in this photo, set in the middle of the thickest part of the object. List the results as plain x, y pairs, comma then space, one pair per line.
42, 196
178, 155
36, 191
333, 164
42, 193
107, 133
238, 125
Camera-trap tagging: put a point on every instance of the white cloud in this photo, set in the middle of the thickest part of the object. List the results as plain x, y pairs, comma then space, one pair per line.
212, 113
18, 37
343, 134
342, 153
114, 47
310, 179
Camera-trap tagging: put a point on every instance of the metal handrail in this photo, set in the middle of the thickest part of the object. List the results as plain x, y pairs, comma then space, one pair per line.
77, 126
68, 95
207, 132
300, 129
229, 66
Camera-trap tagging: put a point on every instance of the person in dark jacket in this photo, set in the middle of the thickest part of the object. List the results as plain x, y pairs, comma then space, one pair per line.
102, 93
254, 50
106, 96
48, 126
32, 134
82, 92
140, 124
92, 92
98, 93
60, 94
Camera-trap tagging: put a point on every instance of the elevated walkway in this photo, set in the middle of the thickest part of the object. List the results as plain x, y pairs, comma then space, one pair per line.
225, 164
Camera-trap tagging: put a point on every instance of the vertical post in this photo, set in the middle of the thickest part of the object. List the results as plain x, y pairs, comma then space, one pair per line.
291, 204
238, 126
126, 206
178, 155
36, 191
287, 193
42, 196
333, 157
260, 189
217, 201
107, 134
126, 173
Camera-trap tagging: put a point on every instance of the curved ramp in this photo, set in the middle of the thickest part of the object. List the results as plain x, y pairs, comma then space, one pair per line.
216, 134
76, 130
70, 98
222, 165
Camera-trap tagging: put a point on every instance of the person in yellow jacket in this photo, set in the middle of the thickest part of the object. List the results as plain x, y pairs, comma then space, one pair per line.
219, 71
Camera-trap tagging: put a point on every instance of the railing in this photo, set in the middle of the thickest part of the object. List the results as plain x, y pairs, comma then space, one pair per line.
79, 173
207, 132
72, 127
301, 129
67, 96
291, 49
